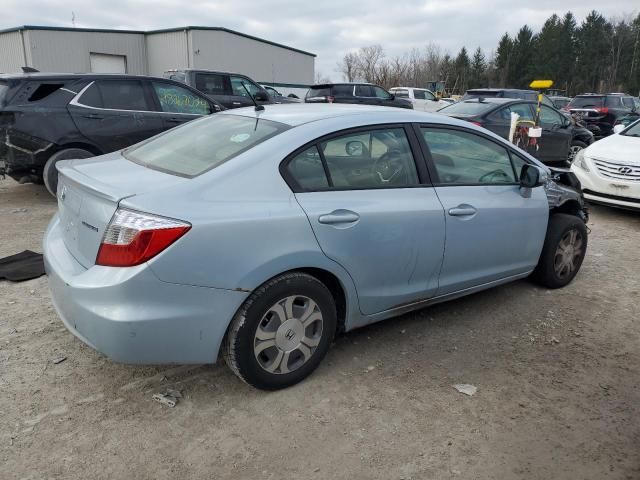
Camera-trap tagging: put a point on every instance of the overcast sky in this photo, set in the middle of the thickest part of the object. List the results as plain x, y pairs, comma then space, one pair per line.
328, 28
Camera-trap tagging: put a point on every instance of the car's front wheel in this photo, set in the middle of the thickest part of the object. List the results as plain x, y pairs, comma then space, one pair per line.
563, 252
281, 332
576, 146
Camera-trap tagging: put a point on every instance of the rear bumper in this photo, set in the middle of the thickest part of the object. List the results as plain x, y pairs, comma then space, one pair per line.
130, 315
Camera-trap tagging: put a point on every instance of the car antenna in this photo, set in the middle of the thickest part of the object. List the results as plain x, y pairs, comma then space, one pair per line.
258, 108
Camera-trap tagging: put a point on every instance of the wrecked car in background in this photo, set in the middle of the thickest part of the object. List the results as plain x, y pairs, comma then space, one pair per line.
45, 118
300, 221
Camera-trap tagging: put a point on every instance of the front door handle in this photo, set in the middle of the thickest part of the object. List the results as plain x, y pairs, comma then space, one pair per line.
338, 217
95, 116
174, 120
462, 211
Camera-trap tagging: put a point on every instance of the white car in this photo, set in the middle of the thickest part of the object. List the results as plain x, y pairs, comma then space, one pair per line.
423, 100
609, 169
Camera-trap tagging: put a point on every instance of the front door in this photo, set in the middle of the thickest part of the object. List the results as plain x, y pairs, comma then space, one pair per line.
373, 214
115, 114
493, 229
556, 136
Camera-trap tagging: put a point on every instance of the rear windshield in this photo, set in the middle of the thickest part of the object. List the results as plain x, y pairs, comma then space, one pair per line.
467, 109
203, 144
587, 102
400, 93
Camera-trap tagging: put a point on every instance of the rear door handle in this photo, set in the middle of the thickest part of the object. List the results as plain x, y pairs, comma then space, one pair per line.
339, 217
95, 116
174, 120
462, 211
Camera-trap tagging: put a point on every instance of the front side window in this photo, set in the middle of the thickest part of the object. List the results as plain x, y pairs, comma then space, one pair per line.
176, 99
241, 85
462, 158
419, 94
380, 92
549, 118
115, 95
211, 83
371, 159
203, 144
628, 102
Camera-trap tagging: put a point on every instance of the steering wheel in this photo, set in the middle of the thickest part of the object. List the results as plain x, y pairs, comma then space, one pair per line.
494, 173
389, 167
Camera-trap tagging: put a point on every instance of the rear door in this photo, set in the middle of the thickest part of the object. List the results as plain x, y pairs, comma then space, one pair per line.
499, 121
115, 114
178, 104
365, 94
373, 212
554, 144
493, 230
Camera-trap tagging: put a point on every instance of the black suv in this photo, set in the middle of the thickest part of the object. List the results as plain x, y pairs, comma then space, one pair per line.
561, 138
230, 89
45, 118
507, 93
600, 112
364, 93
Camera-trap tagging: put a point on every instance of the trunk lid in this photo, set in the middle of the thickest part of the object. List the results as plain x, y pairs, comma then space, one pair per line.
89, 192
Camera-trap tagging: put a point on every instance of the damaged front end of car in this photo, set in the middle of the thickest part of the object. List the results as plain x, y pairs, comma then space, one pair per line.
564, 193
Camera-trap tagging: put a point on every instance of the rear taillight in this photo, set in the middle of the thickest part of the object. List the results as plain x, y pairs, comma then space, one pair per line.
603, 110
133, 238
476, 123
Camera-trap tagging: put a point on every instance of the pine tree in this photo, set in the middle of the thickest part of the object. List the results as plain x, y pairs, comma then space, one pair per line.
478, 69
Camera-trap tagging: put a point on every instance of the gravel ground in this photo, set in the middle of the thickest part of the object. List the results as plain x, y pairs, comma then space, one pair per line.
557, 374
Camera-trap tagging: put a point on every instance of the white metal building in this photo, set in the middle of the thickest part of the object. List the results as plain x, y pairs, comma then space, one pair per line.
56, 49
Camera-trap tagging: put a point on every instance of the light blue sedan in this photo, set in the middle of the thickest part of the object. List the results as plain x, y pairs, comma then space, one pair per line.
260, 235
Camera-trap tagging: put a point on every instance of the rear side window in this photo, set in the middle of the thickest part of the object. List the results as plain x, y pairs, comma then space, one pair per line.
307, 169
364, 91
419, 94
342, 91
116, 95
176, 99
203, 144
401, 93
379, 158
212, 84
504, 114
587, 102
44, 90
462, 158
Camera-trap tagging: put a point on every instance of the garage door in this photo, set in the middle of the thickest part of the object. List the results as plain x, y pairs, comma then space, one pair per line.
104, 63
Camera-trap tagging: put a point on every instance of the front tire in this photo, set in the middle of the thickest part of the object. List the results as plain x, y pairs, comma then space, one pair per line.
282, 332
50, 172
563, 252
576, 146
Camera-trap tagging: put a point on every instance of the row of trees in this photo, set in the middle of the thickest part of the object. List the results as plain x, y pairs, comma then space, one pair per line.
599, 55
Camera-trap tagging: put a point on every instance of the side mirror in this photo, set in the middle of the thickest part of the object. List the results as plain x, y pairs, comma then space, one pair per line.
392, 96
530, 176
618, 128
261, 96
355, 148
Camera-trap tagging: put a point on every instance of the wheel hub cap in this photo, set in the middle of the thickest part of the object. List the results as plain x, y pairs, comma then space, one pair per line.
288, 334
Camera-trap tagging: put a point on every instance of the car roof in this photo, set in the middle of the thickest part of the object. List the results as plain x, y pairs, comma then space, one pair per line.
332, 84
301, 113
68, 76
500, 90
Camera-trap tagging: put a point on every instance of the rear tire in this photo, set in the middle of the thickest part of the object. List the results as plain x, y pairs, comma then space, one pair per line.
282, 332
50, 172
563, 252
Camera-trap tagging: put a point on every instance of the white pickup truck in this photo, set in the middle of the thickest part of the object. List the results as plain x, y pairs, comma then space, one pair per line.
423, 100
